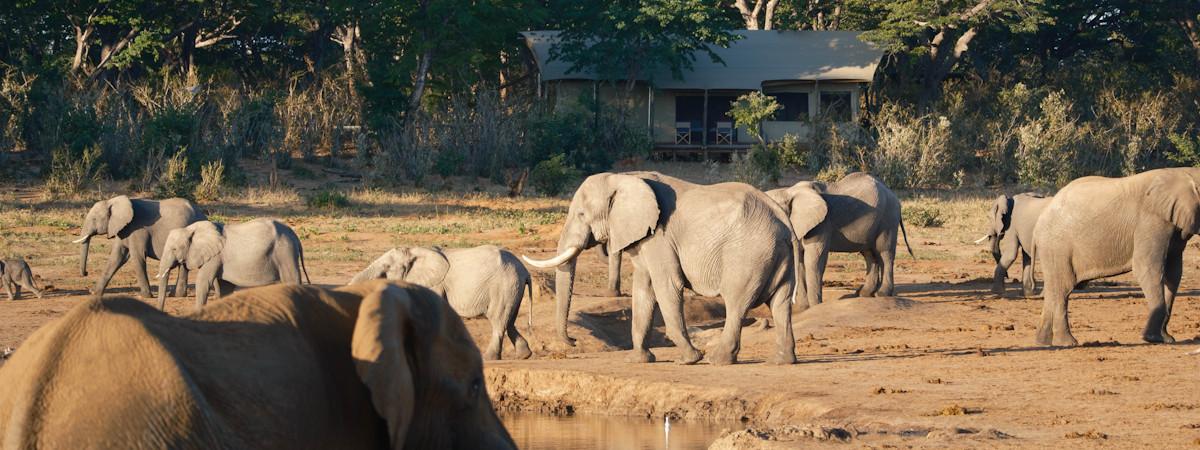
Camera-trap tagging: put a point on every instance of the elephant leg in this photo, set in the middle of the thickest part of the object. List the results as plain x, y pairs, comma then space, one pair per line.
1172, 273
8, 289
118, 257
814, 273
643, 313
871, 283
1000, 275
29, 285
519, 343
614, 274
206, 278
1028, 284
887, 268
670, 303
1149, 265
494, 347
736, 307
781, 312
137, 253
181, 284
1055, 328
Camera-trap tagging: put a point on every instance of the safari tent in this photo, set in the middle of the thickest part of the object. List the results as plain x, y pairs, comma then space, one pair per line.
810, 73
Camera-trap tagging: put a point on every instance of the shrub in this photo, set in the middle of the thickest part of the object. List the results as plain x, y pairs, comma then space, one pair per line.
1186, 151
912, 151
175, 180
791, 154
1048, 145
328, 199
72, 173
448, 162
759, 167
832, 173
750, 110
923, 216
212, 176
552, 176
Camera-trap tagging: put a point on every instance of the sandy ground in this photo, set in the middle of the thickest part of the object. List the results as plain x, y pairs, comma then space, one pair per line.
943, 364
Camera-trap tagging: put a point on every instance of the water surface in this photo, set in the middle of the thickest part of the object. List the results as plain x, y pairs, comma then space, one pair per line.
544, 432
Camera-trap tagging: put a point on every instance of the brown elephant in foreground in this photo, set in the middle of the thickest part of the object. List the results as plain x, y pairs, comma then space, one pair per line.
1099, 227
365, 366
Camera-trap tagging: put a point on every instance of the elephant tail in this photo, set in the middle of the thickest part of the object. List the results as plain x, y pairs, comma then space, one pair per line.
905, 233
304, 267
530, 290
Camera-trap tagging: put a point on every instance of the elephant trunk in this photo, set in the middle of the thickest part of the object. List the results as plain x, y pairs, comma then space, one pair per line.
85, 244
564, 286
165, 265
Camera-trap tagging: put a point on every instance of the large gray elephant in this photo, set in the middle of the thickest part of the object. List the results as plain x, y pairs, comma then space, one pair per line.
479, 281
1011, 234
1098, 227
727, 239
370, 366
138, 228
857, 214
248, 254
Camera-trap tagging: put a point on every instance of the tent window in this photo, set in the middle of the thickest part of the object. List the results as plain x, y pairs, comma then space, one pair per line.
795, 106
835, 106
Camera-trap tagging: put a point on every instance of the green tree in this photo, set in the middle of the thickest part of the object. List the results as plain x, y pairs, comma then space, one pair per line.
750, 110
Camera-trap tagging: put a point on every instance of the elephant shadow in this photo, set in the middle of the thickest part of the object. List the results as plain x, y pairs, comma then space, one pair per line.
701, 314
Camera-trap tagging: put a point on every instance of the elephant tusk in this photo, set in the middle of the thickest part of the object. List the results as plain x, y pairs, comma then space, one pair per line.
1194, 352
80, 240
984, 238
556, 261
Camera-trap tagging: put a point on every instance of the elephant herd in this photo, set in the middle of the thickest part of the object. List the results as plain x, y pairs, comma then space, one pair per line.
386, 360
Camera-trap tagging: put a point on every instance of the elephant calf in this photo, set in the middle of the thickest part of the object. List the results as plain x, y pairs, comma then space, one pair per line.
374, 365
254, 253
480, 281
1011, 234
15, 273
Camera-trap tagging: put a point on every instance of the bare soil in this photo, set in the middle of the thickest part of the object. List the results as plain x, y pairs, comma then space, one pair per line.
944, 364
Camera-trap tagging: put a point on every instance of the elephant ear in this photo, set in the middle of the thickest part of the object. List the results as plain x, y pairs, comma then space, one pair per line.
781, 196
1000, 210
429, 267
632, 211
378, 268
381, 356
205, 244
120, 214
1175, 199
807, 209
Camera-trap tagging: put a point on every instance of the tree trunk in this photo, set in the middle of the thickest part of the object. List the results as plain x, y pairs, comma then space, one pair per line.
82, 34
414, 102
1192, 31
944, 53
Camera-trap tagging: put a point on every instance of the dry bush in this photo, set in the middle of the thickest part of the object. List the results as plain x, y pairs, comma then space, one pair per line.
71, 173
1048, 145
912, 151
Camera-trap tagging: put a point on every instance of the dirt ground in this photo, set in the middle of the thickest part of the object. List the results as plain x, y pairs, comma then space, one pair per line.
943, 364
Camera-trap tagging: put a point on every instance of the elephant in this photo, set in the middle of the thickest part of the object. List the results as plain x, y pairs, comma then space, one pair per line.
726, 239
856, 214
254, 253
139, 228
371, 365
1098, 227
480, 281
1011, 234
15, 273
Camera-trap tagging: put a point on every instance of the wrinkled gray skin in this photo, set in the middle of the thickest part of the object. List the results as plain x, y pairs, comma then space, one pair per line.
1011, 235
857, 214
727, 239
14, 274
480, 281
1099, 227
138, 229
248, 254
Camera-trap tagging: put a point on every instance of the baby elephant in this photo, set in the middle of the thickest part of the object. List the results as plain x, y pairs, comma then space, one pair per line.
1011, 236
254, 253
15, 273
481, 281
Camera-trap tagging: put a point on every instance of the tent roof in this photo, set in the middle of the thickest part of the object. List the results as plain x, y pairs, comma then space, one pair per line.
757, 57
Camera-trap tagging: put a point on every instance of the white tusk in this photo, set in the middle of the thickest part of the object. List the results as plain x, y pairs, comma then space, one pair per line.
556, 261
984, 238
1194, 352
80, 240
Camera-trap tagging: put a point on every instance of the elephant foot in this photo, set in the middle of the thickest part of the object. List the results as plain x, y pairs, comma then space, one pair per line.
1065, 340
722, 357
640, 356
1159, 339
522, 351
148, 295
1029, 294
491, 355
1044, 337
998, 290
566, 339
690, 356
612, 293
783, 359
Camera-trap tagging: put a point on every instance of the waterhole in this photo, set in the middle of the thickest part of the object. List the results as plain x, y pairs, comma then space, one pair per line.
543, 432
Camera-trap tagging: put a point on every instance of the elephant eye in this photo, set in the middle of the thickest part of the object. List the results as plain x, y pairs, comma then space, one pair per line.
476, 388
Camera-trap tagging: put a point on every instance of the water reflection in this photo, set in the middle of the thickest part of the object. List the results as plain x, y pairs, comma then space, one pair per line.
543, 432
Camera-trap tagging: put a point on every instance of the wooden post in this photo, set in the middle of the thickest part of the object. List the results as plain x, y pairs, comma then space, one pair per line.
704, 128
650, 112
